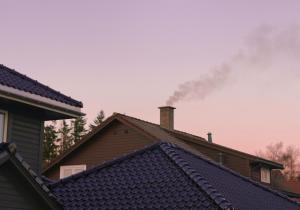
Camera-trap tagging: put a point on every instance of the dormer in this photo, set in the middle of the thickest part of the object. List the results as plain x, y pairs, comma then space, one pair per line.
25, 104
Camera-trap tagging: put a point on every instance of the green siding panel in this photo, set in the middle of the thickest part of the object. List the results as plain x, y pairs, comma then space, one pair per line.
26, 132
16, 193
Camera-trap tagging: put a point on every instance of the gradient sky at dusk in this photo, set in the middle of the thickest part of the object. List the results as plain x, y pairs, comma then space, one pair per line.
129, 56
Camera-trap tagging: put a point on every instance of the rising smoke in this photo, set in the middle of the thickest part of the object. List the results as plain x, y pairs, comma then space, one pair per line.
263, 45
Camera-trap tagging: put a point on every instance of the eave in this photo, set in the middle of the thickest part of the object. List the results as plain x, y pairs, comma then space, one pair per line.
58, 109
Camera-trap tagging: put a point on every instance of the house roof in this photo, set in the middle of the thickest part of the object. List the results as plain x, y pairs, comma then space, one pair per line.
165, 176
8, 153
15, 80
152, 178
155, 131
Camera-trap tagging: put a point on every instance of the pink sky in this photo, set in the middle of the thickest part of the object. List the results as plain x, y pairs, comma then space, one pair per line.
129, 57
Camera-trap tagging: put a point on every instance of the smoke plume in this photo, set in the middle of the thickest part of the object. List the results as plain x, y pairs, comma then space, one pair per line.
202, 87
263, 45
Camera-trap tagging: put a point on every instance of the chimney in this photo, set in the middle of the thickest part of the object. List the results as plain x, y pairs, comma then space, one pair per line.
167, 117
209, 137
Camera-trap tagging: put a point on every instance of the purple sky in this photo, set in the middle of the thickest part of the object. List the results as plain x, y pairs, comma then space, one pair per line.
129, 57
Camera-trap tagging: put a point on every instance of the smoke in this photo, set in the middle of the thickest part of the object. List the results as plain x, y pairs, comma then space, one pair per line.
264, 45
202, 87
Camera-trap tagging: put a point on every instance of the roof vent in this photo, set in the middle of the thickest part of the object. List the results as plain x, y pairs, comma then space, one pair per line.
209, 137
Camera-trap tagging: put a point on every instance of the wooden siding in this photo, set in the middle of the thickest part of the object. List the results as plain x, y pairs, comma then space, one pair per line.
255, 173
236, 163
113, 142
26, 132
16, 193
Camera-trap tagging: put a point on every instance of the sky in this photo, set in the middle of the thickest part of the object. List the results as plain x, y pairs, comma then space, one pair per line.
129, 56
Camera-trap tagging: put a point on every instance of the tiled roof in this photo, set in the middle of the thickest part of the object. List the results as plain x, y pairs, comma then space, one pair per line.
13, 79
164, 176
152, 178
7, 152
241, 191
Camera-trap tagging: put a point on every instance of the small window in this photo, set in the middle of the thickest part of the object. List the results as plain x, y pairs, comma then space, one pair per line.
3, 126
66, 171
265, 175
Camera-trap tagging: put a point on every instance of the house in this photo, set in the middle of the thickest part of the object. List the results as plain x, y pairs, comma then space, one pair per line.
26, 189
292, 189
24, 106
165, 176
121, 134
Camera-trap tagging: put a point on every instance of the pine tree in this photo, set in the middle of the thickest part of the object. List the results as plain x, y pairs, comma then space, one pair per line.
65, 136
78, 128
99, 119
49, 146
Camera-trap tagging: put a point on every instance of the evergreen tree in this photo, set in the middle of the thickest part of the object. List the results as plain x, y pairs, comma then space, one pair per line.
65, 136
79, 130
49, 146
99, 119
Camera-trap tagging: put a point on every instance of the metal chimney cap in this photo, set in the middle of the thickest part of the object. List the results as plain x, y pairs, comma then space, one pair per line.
166, 107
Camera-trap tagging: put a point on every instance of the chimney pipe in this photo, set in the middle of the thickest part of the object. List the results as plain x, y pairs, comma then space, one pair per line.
209, 137
167, 117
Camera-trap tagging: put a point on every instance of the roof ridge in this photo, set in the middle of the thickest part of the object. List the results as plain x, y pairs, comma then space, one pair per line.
171, 132
164, 129
104, 165
238, 175
212, 192
124, 115
35, 82
184, 133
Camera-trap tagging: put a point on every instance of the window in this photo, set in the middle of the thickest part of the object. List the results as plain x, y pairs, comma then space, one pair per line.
3, 126
66, 171
265, 175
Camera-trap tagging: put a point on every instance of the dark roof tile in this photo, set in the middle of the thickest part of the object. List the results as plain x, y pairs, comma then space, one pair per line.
13, 79
147, 179
164, 176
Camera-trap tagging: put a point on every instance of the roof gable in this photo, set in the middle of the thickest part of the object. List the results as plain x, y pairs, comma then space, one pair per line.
8, 154
154, 132
175, 136
151, 131
166, 176
14, 79
152, 178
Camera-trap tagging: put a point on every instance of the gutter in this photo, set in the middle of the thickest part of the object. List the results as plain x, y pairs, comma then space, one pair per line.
39, 101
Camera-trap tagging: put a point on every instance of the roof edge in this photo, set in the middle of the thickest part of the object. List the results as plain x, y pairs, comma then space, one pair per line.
24, 168
91, 134
39, 101
241, 177
105, 164
23, 76
213, 193
199, 140
84, 139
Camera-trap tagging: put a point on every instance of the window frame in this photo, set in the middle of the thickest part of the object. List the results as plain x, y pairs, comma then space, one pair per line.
5, 126
265, 179
72, 167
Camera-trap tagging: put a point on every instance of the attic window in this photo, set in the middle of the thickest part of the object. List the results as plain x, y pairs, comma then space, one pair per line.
69, 170
3, 126
265, 175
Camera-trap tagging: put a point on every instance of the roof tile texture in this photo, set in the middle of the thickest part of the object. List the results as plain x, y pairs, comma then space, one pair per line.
13, 79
